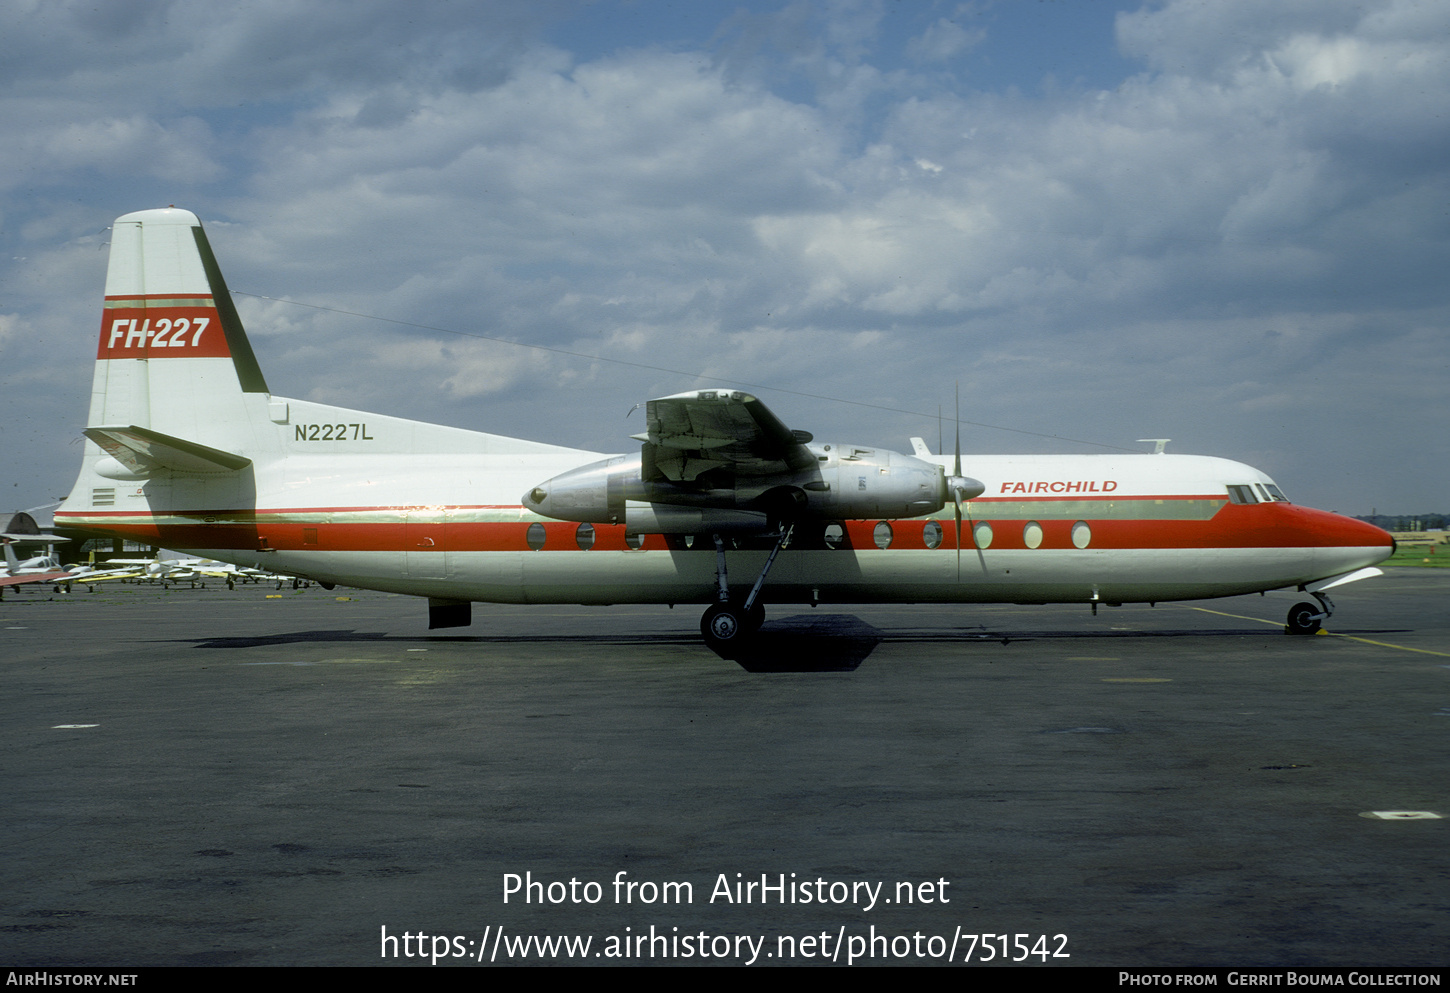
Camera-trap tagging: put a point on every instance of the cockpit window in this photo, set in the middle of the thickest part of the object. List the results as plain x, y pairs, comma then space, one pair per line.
1242, 494
1276, 493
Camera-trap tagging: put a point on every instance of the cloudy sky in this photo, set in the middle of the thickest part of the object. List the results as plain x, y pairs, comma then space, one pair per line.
1226, 222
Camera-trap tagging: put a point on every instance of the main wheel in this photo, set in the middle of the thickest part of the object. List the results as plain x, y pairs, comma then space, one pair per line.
724, 626
1303, 618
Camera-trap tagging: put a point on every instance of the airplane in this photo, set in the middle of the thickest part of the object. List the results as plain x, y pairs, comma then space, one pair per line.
187, 448
167, 571
151, 570
46, 568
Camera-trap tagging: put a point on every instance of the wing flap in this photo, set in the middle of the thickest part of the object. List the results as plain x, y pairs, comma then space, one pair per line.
691, 434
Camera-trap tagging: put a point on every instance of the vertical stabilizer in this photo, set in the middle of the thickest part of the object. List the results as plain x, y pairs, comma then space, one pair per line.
172, 352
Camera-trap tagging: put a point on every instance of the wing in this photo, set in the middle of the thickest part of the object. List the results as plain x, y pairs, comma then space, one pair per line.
33, 577
718, 432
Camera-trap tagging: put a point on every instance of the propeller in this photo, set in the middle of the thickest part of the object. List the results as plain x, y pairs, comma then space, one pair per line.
960, 487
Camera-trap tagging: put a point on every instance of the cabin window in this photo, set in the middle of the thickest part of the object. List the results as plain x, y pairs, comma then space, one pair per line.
1032, 534
1082, 535
309, 536
635, 540
881, 534
834, 536
1242, 494
536, 536
982, 534
932, 534
584, 537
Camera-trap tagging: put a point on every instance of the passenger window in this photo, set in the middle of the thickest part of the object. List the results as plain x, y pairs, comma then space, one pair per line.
835, 536
584, 537
982, 535
536, 536
881, 534
931, 534
1032, 534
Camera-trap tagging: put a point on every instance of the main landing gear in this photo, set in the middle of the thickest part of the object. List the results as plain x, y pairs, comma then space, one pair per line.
730, 621
1306, 618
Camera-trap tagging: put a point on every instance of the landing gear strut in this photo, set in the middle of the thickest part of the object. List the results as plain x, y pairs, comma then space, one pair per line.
730, 621
1305, 618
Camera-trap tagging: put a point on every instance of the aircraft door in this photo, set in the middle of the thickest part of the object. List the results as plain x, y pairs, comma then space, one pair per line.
425, 543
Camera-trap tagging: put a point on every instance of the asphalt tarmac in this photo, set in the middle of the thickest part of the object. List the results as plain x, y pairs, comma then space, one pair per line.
279, 777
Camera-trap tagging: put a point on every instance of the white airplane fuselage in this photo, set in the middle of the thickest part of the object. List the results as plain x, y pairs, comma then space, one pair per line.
187, 450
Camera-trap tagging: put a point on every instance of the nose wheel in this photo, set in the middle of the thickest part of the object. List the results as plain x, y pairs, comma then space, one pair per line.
1306, 618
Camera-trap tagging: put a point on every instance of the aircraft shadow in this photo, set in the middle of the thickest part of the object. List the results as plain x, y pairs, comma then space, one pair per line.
289, 638
801, 643
805, 643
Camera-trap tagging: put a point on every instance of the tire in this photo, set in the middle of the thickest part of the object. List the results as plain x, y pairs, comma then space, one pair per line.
724, 627
1303, 619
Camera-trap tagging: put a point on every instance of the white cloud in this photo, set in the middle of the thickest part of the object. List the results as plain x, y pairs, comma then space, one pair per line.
947, 38
795, 206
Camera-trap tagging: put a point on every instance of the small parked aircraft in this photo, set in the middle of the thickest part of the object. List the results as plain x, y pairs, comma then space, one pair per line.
46, 568
188, 449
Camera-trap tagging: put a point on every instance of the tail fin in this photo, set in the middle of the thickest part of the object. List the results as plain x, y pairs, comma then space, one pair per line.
170, 335
179, 404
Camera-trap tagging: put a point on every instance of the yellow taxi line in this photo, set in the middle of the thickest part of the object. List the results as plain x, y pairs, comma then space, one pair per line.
1367, 641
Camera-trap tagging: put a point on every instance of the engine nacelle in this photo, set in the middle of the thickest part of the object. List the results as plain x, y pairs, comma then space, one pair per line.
662, 518
847, 483
593, 493
857, 483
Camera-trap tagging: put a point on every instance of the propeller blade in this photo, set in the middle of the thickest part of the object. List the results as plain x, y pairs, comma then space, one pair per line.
958, 505
957, 463
957, 475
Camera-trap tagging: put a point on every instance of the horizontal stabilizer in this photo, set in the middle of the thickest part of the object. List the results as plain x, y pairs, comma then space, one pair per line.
142, 450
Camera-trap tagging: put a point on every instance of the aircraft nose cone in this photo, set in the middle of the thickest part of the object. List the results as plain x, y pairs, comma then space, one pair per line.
1340, 543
